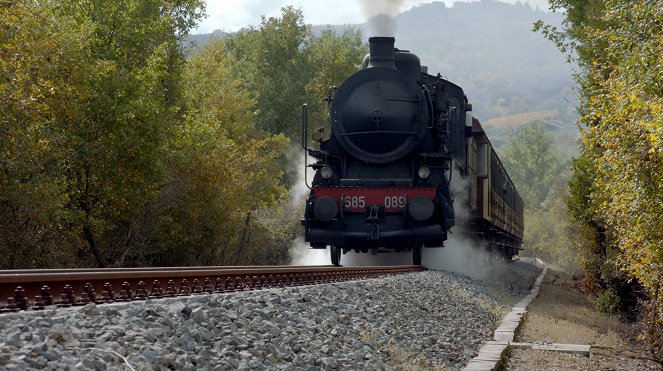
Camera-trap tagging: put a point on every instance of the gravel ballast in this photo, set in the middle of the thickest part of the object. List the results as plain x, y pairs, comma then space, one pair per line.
422, 320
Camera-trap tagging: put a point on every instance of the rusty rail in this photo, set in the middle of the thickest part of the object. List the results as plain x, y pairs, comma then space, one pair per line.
73, 287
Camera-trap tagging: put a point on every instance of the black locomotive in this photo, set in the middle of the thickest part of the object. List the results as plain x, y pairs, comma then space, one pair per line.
382, 178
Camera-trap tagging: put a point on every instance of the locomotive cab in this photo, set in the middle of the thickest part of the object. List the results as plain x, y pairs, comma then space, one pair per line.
382, 179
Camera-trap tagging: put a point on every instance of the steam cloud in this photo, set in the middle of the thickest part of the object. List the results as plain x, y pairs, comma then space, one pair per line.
461, 252
381, 15
300, 251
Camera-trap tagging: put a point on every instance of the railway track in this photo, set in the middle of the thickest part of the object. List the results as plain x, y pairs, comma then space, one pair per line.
39, 288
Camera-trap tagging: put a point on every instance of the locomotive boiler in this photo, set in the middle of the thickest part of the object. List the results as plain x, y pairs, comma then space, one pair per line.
382, 178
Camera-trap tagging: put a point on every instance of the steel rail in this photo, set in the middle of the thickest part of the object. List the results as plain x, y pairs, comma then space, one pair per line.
36, 289
69, 270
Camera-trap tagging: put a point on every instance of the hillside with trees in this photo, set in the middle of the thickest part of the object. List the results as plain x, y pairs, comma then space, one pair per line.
488, 48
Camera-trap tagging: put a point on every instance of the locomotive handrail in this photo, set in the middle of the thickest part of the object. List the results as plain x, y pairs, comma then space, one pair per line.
305, 127
305, 142
391, 132
398, 99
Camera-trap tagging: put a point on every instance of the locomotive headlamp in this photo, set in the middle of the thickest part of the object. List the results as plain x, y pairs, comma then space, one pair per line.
421, 209
424, 172
325, 208
326, 172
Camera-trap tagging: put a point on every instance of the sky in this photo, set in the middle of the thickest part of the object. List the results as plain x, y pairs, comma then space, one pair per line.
232, 15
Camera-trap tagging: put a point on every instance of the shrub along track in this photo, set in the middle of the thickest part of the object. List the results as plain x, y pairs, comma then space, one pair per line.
36, 289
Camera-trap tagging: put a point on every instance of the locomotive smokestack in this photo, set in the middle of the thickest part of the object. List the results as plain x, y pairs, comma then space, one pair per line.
381, 52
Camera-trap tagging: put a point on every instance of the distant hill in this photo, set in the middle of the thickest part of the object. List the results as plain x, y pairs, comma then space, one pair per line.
488, 48
201, 39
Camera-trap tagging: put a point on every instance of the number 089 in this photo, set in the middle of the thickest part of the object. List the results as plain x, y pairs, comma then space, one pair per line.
395, 201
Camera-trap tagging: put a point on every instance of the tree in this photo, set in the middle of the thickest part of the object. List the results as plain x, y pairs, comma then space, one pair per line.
102, 79
618, 177
127, 103
533, 163
272, 63
538, 170
39, 59
332, 58
221, 170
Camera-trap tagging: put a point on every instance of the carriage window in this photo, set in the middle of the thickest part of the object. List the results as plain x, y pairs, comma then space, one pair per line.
482, 160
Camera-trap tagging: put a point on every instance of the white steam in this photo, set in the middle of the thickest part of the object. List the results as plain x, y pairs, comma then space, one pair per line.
300, 252
460, 190
461, 255
353, 259
462, 252
381, 16
300, 190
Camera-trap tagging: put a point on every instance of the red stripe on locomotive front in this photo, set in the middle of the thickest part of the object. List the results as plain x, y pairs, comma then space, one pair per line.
356, 199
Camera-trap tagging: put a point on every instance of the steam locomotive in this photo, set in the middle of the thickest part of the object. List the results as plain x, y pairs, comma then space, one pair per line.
382, 178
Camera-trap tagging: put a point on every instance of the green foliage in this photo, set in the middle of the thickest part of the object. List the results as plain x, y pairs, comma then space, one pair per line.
580, 204
116, 151
32, 86
124, 110
220, 170
272, 63
617, 189
538, 170
332, 58
283, 66
608, 301
534, 164
91, 92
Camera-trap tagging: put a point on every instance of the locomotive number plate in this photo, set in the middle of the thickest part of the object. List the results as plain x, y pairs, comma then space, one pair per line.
357, 199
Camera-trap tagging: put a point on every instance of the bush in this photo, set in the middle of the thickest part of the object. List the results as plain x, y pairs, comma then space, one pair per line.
609, 301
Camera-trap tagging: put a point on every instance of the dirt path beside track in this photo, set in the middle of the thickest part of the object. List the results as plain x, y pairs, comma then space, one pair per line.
561, 314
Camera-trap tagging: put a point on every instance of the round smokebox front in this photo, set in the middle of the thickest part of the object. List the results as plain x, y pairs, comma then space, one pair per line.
376, 115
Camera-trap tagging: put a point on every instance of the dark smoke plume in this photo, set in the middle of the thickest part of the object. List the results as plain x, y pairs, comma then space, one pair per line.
381, 16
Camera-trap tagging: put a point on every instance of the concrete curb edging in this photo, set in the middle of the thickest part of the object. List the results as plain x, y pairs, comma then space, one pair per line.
493, 354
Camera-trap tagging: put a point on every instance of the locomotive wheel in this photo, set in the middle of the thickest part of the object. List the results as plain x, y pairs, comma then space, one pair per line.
416, 255
335, 253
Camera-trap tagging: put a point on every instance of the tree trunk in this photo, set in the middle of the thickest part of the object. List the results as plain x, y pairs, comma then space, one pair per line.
242, 241
89, 237
119, 262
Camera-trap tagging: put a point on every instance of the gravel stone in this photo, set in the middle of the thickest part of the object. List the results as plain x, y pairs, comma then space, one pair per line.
198, 315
